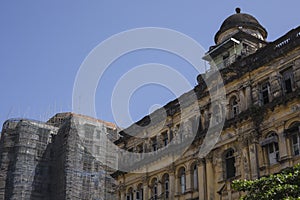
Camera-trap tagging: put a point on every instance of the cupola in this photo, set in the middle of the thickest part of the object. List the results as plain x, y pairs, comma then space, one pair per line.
240, 21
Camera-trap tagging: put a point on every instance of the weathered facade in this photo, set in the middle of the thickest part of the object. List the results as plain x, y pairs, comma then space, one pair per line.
261, 132
65, 158
72, 156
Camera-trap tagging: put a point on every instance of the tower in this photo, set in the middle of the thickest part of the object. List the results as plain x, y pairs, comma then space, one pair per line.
239, 36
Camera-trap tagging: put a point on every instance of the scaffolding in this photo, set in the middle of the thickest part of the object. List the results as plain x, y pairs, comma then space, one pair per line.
55, 160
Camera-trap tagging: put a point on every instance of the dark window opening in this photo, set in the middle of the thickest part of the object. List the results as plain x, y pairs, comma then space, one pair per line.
230, 164
288, 80
139, 193
155, 192
165, 186
288, 85
130, 195
195, 177
165, 138
265, 92
296, 144
294, 132
154, 189
167, 189
234, 107
140, 148
154, 144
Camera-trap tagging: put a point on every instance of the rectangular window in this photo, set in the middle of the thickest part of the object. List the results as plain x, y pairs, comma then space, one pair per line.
230, 164
182, 184
287, 80
264, 93
235, 110
155, 192
165, 138
230, 168
167, 189
295, 139
140, 148
154, 144
273, 152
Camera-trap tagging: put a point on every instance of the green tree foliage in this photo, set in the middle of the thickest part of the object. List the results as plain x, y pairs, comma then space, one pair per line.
284, 185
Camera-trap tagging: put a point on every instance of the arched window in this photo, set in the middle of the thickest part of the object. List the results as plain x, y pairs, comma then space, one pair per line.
230, 164
130, 194
182, 180
234, 107
139, 192
294, 133
272, 148
194, 177
166, 186
154, 189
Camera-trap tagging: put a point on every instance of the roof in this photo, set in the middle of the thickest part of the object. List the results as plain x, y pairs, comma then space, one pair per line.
71, 114
241, 20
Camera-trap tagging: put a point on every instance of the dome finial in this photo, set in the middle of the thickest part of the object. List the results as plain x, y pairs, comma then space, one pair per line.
238, 10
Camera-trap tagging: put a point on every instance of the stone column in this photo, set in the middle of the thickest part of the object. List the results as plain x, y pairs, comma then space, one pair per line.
145, 192
254, 160
248, 101
122, 190
283, 153
188, 180
176, 185
229, 112
242, 103
146, 187
243, 151
123, 195
159, 189
275, 82
172, 185
202, 179
245, 172
134, 192
255, 95
209, 178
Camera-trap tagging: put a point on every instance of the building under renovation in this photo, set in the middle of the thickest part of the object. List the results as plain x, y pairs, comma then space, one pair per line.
64, 158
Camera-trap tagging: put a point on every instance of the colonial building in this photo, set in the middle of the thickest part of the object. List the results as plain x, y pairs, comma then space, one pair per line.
260, 134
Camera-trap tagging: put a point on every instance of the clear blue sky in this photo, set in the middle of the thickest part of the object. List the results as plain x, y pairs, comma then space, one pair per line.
43, 43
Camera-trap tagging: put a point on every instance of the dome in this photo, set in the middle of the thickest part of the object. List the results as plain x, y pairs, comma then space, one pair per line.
241, 20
